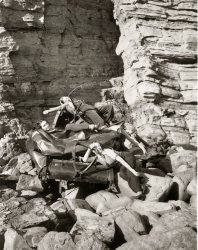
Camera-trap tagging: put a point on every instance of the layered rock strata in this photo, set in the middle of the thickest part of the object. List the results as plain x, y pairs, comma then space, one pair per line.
158, 48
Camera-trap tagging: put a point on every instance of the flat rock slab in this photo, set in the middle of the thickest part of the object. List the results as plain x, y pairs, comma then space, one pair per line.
101, 197
152, 206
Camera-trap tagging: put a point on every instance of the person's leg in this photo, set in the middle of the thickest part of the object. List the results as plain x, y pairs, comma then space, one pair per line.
91, 116
77, 127
133, 181
106, 112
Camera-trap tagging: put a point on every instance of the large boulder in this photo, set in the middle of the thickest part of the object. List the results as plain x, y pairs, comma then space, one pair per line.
152, 206
55, 240
20, 213
104, 201
182, 238
14, 241
89, 242
131, 224
101, 197
180, 184
183, 157
157, 187
192, 187
33, 235
93, 224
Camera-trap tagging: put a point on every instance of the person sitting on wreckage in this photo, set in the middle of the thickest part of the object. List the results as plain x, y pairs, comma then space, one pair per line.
125, 161
99, 116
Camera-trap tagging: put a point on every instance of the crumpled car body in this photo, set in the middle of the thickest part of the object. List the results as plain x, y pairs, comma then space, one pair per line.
59, 164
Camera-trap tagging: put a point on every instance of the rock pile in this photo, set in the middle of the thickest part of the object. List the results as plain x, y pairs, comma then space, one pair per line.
165, 218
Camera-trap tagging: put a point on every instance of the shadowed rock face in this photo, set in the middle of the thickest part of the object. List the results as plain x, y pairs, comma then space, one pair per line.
50, 47
158, 48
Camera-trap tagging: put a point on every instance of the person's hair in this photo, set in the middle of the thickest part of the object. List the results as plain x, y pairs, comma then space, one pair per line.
61, 99
37, 125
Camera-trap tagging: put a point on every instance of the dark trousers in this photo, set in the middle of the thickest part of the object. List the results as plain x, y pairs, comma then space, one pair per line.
133, 181
100, 115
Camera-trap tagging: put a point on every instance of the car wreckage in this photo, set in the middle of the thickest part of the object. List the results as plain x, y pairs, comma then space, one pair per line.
65, 166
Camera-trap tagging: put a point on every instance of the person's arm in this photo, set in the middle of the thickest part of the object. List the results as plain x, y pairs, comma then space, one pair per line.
60, 107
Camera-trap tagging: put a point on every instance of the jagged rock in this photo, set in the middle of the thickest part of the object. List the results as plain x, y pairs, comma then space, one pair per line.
151, 133
152, 54
7, 193
9, 147
54, 240
33, 235
175, 220
87, 242
14, 241
130, 224
192, 187
183, 157
24, 163
20, 213
182, 238
152, 206
92, 224
28, 182
157, 187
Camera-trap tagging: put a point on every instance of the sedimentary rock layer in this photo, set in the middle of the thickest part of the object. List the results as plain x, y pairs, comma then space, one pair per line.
158, 48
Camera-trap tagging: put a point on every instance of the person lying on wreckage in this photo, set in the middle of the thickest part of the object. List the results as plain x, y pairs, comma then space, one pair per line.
46, 142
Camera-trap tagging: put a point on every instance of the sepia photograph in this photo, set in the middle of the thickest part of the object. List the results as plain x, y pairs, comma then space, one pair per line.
98, 125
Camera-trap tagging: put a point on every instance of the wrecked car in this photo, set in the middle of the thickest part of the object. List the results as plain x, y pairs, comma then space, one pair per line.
61, 162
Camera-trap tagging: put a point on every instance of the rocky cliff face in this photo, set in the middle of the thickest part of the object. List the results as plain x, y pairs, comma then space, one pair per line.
158, 48
50, 47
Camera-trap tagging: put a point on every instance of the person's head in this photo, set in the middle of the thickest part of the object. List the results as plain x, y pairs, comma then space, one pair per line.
64, 99
44, 125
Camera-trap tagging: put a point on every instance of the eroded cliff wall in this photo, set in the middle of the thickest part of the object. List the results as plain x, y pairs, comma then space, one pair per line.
50, 47
47, 48
158, 48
